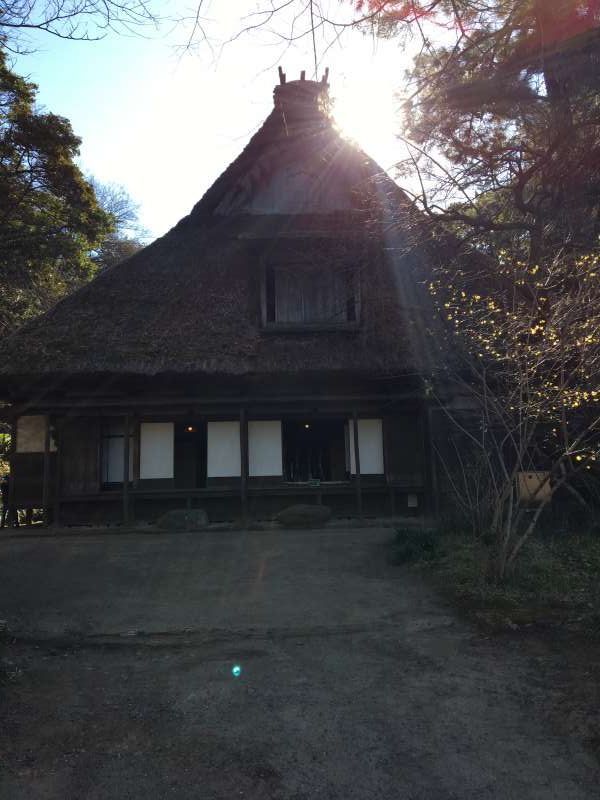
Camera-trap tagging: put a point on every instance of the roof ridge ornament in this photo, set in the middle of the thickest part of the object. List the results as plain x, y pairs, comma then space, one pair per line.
302, 100
283, 77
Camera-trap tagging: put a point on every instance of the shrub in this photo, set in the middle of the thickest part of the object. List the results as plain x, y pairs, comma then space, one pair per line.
555, 578
303, 515
411, 545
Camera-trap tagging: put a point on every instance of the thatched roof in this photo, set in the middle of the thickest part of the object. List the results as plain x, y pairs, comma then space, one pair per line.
190, 302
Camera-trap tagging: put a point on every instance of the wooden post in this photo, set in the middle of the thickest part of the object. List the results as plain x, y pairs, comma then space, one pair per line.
136, 452
359, 507
13, 514
386, 465
135, 463
58, 428
46, 473
126, 470
244, 461
433, 502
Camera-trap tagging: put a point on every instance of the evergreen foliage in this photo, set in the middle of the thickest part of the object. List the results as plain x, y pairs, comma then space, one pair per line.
50, 220
503, 122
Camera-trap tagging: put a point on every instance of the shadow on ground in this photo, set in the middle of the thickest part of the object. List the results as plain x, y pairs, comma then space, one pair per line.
355, 680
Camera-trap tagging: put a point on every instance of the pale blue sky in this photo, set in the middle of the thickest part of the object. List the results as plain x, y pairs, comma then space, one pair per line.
165, 125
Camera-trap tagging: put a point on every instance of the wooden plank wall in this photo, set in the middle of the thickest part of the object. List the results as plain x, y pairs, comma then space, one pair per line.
27, 478
405, 455
80, 456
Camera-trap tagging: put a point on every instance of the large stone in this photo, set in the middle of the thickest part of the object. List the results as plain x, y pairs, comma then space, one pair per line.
303, 515
183, 519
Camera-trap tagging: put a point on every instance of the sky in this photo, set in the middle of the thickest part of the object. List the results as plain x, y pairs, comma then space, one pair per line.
165, 123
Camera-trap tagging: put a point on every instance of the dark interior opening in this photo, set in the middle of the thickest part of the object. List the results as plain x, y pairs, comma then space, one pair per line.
315, 450
190, 455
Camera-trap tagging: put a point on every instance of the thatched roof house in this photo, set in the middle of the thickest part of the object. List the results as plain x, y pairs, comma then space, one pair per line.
284, 298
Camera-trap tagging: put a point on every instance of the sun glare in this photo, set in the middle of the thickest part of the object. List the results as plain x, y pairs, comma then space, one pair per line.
369, 115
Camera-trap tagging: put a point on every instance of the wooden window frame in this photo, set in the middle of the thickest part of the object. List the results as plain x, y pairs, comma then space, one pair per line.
133, 447
274, 326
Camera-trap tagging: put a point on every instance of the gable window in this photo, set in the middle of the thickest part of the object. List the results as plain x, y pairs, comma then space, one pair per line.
297, 296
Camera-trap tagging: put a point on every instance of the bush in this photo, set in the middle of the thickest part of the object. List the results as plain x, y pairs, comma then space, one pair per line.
303, 515
411, 545
554, 579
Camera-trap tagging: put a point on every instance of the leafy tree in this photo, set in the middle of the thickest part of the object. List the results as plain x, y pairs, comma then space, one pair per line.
503, 124
528, 345
50, 220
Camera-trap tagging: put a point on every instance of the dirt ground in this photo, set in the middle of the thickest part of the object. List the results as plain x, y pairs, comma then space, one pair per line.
275, 666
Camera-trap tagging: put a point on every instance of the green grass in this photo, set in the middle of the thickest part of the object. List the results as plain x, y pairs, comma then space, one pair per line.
555, 580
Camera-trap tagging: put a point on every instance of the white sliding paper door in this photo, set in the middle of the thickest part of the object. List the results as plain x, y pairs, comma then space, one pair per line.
156, 450
223, 458
370, 446
264, 448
